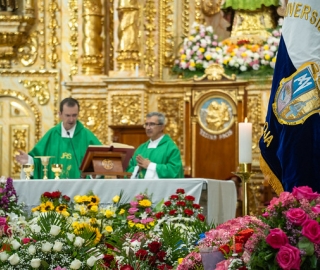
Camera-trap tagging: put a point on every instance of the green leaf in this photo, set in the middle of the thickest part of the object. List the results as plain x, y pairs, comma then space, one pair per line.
305, 244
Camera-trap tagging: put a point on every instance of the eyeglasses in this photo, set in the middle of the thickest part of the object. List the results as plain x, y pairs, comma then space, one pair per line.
151, 125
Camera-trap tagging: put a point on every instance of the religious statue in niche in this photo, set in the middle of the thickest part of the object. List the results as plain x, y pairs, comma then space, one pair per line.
214, 17
8, 5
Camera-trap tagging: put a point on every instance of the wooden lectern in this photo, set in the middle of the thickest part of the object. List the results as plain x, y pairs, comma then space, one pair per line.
108, 160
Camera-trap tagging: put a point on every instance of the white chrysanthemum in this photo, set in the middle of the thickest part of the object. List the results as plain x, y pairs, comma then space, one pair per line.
243, 68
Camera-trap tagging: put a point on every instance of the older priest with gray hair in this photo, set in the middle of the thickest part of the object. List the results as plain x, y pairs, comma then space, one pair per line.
159, 157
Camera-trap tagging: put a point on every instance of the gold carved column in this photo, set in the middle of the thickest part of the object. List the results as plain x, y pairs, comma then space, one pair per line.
92, 41
128, 33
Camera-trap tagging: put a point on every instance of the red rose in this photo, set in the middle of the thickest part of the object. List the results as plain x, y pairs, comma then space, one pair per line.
159, 215
201, 217
26, 240
142, 254
189, 198
311, 230
154, 246
288, 257
239, 248
196, 206
181, 203
174, 197
126, 267
180, 191
188, 212
107, 260
225, 249
244, 235
65, 197
167, 203
172, 212
55, 195
109, 246
164, 267
277, 238
152, 260
297, 216
47, 195
161, 255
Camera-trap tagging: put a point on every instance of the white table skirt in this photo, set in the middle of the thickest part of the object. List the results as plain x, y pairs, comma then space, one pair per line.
221, 201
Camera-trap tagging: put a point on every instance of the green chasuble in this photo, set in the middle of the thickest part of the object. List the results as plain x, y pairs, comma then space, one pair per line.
249, 4
166, 156
52, 144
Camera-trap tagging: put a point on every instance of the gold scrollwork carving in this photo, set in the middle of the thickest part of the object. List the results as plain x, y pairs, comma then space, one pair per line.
210, 7
185, 17
19, 142
28, 52
126, 109
149, 27
53, 38
214, 72
73, 25
38, 89
254, 116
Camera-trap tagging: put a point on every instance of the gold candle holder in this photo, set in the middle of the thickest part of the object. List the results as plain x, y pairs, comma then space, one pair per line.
28, 169
244, 173
57, 169
45, 163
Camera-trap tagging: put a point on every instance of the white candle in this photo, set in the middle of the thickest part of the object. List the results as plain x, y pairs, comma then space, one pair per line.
137, 70
245, 142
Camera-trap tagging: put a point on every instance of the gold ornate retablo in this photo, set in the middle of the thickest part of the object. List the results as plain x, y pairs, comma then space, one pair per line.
107, 164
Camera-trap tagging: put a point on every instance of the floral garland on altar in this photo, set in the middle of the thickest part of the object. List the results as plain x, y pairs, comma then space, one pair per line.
203, 48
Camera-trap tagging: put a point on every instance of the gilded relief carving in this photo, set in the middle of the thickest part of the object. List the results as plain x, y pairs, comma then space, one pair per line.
92, 40
185, 17
214, 72
20, 137
126, 109
173, 109
128, 34
8, 5
93, 115
28, 52
73, 25
53, 57
38, 89
254, 116
149, 27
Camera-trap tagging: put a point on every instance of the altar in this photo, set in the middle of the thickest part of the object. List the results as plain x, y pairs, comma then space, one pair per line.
220, 205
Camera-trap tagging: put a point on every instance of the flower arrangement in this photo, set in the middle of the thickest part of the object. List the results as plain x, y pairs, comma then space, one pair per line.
203, 48
180, 208
49, 245
53, 201
293, 240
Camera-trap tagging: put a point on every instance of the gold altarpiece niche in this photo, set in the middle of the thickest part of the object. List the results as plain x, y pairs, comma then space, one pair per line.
20, 138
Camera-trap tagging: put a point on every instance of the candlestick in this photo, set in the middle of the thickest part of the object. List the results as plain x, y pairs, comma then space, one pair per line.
245, 142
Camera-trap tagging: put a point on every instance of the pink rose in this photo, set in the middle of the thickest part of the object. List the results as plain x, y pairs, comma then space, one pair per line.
311, 230
304, 192
277, 238
132, 210
316, 209
288, 257
297, 216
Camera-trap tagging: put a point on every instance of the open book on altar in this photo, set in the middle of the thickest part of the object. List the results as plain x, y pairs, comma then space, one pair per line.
111, 160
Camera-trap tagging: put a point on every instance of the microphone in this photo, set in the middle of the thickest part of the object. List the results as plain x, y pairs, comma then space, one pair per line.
74, 152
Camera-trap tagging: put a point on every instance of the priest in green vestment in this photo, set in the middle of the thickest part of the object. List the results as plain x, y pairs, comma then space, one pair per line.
159, 157
66, 144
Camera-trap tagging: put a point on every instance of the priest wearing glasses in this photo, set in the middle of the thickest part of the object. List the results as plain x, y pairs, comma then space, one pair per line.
159, 157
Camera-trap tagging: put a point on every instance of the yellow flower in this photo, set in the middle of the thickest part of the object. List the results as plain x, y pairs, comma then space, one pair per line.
244, 54
108, 229
140, 226
201, 49
183, 56
77, 198
93, 207
226, 61
208, 57
274, 59
94, 199
38, 208
122, 211
109, 213
191, 38
180, 260
116, 198
146, 202
65, 213
192, 64
266, 47
48, 206
131, 223
84, 199
267, 57
83, 210
151, 223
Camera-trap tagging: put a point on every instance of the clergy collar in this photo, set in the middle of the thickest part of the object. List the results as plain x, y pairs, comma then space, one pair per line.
154, 144
64, 133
